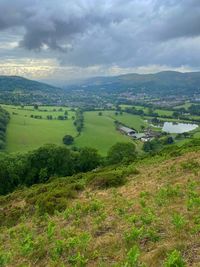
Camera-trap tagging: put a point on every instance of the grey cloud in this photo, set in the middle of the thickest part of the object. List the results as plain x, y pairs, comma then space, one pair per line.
48, 23
106, 32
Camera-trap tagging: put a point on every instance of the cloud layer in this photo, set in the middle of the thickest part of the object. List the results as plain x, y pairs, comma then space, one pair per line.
85, 33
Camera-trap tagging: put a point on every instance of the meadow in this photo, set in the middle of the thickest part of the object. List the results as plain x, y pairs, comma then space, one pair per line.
25, 133
99, 132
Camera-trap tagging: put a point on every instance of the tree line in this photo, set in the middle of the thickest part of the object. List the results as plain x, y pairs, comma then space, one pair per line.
79, 120
4, 119
39, 165
49, 161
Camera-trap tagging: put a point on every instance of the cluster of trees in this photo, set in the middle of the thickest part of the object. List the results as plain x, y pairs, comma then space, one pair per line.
79, 120
135, 111
4, 119
157, 145
40, 165
49, 161
141, 112
177, 114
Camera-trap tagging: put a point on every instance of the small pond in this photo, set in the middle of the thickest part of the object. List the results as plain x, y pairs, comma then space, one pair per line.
171, 127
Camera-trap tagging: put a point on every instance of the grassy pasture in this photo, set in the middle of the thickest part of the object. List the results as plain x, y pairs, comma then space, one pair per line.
25, 133
99, 132
43, 111
130, 120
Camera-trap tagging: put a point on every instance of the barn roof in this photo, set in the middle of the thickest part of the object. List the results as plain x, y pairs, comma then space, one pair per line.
127, 130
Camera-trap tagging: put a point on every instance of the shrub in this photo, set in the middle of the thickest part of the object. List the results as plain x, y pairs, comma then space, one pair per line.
174, 259
133, 257
68, 140
107, 179
49, 199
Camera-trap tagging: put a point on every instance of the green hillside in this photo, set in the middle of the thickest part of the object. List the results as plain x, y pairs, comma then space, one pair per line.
143, 214
18, 90
16, 83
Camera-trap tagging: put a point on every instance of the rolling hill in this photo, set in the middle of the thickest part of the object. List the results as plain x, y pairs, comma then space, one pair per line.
13, 83
162, 83
19, 90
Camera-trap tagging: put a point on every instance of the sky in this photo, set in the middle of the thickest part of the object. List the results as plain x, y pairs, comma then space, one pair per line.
67, 40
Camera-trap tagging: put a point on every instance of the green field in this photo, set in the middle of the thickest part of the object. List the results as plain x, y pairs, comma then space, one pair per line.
99, 132
130, 120
25, 133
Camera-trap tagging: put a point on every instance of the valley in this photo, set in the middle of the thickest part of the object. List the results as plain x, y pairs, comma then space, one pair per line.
100, 133
31, 127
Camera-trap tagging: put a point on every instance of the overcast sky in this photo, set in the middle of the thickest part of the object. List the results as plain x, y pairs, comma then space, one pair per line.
69, 39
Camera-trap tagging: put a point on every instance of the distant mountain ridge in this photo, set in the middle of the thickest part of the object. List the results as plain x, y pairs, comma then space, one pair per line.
12, 83
161, 83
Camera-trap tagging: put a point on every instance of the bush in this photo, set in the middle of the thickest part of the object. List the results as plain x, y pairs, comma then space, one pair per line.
48, 201
107, 179
68, 140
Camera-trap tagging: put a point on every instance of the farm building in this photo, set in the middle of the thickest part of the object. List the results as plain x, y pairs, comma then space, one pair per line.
127, 131
144, 137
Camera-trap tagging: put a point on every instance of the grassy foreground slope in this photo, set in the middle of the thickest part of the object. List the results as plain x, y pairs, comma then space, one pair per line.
154, 212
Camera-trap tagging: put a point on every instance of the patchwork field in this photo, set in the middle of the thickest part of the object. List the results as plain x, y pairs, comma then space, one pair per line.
25, 133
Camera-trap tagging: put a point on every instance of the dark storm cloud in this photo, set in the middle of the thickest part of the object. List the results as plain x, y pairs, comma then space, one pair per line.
54, 24
90, 32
